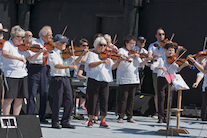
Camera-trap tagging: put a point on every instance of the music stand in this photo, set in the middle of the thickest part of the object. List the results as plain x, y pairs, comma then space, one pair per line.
179, 85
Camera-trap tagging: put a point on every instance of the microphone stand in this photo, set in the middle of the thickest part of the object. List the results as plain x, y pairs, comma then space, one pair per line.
170, 85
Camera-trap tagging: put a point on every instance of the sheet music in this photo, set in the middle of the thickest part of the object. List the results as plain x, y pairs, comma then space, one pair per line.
177, 81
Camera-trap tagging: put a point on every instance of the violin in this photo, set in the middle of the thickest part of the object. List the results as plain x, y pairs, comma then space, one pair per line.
2, 43
200, 54
180, 61
68, 52
164, 42
105, 55
50, 45
142, 55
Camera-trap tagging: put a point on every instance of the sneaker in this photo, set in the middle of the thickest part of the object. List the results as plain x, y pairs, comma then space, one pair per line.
104, 125
120, 120
155, 116
83, 108
131, 120
75, 109
90, 124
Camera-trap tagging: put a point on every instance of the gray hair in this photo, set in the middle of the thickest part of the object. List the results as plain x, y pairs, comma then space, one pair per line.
99, 40
16, 31
43, 31
107, 36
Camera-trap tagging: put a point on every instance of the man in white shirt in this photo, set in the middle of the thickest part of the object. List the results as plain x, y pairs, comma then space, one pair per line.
60, 84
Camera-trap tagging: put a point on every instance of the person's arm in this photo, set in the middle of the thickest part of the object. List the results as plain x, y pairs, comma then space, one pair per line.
80, 74
198, 79
197, 65
182, 66
80, 57
60, 66
83, 61
33, 57
145, 61
6, 54
95, 64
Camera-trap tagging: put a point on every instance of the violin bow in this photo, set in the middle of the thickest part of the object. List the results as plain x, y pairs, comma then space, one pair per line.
3, 92
114, 40
172, 37
204, 46
64, 29
73, 51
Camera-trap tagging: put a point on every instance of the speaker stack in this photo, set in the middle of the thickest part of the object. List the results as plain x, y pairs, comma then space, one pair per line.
22, 126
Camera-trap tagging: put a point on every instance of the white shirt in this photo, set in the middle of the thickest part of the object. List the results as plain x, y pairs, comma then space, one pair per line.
100, 73
127, 72
155, 50
54, 59
143, 50
160, 63
38, 60
12, 67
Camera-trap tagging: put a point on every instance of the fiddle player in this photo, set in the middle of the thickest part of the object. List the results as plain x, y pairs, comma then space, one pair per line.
128, 78
99, 73
140, 47
108, 40
60, 84
28, 36
161, 65
202, 74
38, 75
15, 70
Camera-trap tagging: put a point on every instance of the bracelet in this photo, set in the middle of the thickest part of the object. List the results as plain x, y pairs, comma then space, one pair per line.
194, 62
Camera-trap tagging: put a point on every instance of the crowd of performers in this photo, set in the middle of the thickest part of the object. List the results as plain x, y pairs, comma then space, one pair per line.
41, 66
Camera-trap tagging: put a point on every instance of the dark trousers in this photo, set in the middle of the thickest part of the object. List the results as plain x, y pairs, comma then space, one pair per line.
97, 90
38, 80
162, 89
204, 106
126, 100
141, 78
62, 94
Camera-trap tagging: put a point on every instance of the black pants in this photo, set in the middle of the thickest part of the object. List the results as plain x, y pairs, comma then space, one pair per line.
62, 93
204, 106
97, 90
162, 91
38, 80
126, 100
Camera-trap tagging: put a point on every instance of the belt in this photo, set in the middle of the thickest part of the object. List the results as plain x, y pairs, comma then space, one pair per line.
60, 77
36, 64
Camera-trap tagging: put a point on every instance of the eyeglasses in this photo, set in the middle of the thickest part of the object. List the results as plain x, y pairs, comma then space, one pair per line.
21, 37
142, 41
161, 34
102, 45
84, 45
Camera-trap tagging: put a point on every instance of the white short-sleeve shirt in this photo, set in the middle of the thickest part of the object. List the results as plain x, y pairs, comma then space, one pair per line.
102, 72
12, 67
127, 72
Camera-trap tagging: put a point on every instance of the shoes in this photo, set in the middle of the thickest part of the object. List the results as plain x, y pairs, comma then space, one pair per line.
159, 121
90, 124
131, 120
164, 121
68, 126
43, 121
155, 116
56, 126
83, 108
104, 125
75, 109
120, 120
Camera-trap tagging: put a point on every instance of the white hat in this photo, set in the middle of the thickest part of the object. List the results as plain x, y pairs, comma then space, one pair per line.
3, 29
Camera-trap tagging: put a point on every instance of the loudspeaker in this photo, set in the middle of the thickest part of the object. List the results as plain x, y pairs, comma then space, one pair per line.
22, 126
144, 104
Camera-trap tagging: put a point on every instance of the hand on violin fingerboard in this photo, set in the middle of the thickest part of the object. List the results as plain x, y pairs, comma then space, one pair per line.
156, 55
134, 55
149, 58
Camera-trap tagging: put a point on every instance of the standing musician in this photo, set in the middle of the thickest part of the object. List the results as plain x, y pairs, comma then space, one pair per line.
28, 36
108, 40
99, 73
161, 65
140, 47
15, 73
202, 74
60, 84
38, 75
128, 78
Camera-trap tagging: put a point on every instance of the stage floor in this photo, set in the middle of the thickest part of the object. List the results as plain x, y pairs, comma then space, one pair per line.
145, 127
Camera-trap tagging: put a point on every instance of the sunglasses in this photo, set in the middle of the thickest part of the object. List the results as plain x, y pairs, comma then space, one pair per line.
161, 34
21, 37
84, 45
142, 41
102, 45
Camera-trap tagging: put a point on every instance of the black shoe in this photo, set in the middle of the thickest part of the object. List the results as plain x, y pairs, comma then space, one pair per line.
159, 121
43, 121
56, 126
164, 121
68, 126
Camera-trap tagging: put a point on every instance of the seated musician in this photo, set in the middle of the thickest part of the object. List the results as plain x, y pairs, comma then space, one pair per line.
15, 70
161, 65
99, 73
128, 79
60, 84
